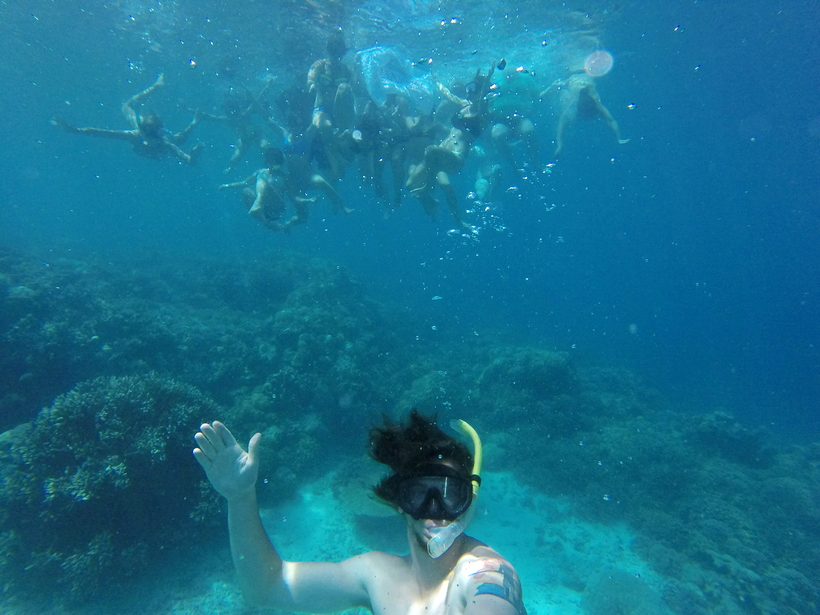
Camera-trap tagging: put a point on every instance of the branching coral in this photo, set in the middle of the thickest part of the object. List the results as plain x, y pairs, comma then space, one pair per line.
100, 480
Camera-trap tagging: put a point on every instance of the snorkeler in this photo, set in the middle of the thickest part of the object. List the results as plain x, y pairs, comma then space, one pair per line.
329, 80
580, 101
146, 134
239, 105
300, 177
433, 484
440, 161
265, 200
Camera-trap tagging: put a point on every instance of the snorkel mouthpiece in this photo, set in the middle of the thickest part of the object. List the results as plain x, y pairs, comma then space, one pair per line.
446, 536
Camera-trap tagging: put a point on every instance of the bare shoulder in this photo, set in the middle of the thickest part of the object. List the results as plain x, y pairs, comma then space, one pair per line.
489, 581
481, 558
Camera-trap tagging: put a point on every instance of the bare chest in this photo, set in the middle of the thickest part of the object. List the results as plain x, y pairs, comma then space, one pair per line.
408, 600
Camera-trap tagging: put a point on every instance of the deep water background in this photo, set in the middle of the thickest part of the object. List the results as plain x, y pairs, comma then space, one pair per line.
701, 232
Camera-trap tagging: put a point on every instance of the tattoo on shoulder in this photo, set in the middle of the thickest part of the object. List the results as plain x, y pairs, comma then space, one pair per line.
501, 581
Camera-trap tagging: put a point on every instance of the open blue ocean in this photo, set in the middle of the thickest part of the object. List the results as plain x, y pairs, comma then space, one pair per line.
633, 328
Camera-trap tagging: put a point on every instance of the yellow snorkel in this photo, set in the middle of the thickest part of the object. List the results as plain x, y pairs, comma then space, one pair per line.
446, 536
467, 429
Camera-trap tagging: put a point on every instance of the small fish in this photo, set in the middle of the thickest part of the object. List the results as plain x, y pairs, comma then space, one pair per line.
502, 64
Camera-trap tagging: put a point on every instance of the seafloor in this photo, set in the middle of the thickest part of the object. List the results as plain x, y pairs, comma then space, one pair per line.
608, 497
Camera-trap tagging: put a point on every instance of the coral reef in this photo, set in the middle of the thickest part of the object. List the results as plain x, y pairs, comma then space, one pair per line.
101, 483
293, 348
298, 327
616, 592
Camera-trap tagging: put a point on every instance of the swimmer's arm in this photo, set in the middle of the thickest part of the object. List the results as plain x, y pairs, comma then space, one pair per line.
206, 115
552, 86
327, 587
269, 582
248, 181
488, 81
178, 152
58, 121
183, 134
313, 75
452, 97
119, 135
483, 103
493, 588
265, 579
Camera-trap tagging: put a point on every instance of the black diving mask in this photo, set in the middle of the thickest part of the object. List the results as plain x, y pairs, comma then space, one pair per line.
435, 492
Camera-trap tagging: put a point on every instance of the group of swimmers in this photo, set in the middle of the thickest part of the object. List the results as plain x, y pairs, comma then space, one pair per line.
422, 150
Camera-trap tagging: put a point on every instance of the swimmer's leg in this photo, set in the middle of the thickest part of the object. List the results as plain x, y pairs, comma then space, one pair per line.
443, 180
179, 154
501, 139
317, 181
563, 122
300, 217
248, 197
128, 106
180, 137
610, 121
344, 116
417, 178
428, 201
321, 122
239, 152
420, 176
268, 201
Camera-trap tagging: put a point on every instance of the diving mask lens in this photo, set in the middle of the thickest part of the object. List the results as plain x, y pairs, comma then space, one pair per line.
435, 497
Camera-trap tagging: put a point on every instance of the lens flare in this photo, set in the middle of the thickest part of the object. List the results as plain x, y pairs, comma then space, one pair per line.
598, 63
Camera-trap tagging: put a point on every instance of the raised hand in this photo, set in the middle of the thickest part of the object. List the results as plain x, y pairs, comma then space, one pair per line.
231, 470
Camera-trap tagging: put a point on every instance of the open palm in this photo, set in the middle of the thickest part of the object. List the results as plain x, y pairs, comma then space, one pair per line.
231, 470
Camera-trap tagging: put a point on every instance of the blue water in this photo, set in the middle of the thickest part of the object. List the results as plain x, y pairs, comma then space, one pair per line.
689, 255
701, 231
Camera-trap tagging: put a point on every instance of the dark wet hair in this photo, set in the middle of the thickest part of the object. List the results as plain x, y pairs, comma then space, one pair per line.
336, 46
150, 123
468, 122
475, 89
273, 156
406, 447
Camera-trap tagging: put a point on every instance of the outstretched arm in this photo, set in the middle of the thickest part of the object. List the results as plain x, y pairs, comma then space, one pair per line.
247, 182
181, 155
483, 103
119, 135
446, 93
180, 137
233, 473
555, 85
264, 578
